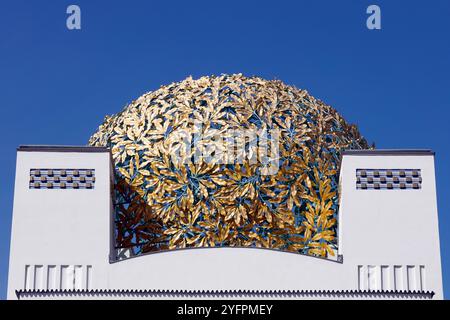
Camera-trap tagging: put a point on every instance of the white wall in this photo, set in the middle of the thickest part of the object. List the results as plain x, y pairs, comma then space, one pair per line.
59, 227
392, 227
378, 228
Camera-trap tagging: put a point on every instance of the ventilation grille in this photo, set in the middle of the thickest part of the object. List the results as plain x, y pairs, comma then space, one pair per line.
391, 277
62, 178
390, 179
58, 277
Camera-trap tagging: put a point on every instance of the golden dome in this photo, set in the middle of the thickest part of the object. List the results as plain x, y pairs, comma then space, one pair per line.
166, 202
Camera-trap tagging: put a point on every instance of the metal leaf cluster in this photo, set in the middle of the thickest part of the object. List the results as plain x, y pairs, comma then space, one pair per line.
161, 204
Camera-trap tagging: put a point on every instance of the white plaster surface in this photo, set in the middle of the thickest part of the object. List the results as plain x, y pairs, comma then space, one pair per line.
378, 228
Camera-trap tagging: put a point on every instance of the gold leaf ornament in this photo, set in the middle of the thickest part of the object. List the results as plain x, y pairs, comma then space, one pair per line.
163, 202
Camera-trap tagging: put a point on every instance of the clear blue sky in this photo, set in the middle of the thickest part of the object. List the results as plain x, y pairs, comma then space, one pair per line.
57, 85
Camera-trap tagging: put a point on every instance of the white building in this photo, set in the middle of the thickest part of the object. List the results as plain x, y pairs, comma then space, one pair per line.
62, 247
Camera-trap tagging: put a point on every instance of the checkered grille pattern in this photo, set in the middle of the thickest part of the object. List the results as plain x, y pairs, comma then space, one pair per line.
62, 178
388, 179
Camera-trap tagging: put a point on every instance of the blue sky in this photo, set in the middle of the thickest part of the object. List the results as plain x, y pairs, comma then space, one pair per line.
57, 85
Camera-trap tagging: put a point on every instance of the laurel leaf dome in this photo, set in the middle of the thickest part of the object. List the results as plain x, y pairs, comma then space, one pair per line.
166, 204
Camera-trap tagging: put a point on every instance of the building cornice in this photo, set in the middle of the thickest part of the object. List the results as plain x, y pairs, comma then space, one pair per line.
389, 152
324, 294
47, 148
